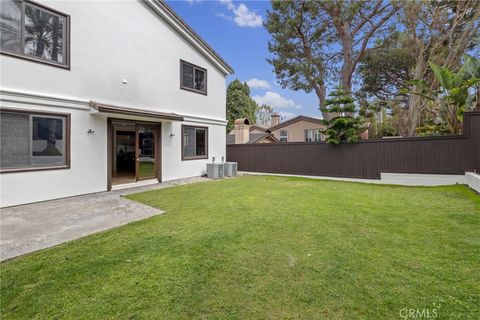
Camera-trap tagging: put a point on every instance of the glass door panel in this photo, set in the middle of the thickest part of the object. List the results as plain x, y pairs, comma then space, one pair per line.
146, 162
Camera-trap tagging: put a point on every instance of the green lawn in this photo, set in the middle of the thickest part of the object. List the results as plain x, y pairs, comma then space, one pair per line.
265, 248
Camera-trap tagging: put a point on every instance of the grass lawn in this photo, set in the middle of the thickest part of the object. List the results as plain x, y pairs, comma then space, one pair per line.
265, 248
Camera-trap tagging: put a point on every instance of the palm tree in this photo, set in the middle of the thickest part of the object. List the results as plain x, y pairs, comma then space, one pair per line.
10, 29
38, 30
44, 32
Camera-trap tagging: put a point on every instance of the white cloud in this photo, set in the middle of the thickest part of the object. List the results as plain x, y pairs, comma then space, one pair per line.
258, 84
243, 17
275, 100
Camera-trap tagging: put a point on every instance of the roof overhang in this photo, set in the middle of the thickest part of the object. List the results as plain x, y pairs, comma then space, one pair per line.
167, 13
96, 107
294, 120
267, 136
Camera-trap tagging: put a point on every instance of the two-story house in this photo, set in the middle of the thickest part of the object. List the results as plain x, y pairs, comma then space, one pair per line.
297, 129
98, 94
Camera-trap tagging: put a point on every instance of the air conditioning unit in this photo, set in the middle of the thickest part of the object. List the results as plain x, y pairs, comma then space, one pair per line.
215, 170
230, 169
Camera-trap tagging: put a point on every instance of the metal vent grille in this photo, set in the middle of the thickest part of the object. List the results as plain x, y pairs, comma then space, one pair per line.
230, 169
215, 170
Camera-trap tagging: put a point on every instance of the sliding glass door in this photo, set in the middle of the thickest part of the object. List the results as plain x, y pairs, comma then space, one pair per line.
135, 151
146, 152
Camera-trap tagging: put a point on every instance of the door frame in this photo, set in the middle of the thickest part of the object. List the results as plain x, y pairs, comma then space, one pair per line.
157, 145
156, 133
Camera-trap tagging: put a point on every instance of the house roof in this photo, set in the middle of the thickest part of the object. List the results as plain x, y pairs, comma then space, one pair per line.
293, 120
259, 128
261, 137
167, 13
253, 137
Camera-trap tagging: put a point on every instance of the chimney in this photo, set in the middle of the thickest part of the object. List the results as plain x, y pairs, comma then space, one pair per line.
275, 119
241, 130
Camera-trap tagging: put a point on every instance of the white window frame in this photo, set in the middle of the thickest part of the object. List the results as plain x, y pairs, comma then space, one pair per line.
280, 136
315, 135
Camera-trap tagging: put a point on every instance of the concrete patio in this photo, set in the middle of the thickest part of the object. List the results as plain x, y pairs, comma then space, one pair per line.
28, 228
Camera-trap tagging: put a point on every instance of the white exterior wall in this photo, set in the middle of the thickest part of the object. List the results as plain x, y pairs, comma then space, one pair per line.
104, 50
172, 165
88, 165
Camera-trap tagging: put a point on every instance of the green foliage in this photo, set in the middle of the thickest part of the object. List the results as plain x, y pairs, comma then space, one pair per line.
342, 123
298, 45
239, 103
386, 70
454, 94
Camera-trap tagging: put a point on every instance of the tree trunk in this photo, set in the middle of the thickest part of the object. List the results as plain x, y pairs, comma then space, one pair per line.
347, 67
321, 92
415, 102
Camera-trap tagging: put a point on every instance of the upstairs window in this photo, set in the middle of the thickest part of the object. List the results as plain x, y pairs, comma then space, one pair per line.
194, 143
283, 136
193, 78
313, 135
29, 30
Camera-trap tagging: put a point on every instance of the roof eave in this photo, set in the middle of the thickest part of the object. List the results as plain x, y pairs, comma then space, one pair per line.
167, 13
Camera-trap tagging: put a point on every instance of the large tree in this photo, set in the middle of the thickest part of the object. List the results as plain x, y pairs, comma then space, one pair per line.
309, 36
239, 103
298, 45
439, 32
354, 26
385, 71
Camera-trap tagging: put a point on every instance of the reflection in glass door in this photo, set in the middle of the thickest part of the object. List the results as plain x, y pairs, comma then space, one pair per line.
146, 168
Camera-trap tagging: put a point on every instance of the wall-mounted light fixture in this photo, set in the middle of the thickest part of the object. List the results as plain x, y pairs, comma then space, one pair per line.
90, 131
172, 135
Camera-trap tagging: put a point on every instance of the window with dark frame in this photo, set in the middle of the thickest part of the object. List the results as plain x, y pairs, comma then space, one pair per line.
31, 140
31, 31
193, 78
194, 142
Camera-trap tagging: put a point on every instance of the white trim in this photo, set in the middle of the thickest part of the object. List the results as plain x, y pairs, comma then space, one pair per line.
402, 179
198, 119
280, 135
14, 98
30, 98
408, 179
473, 180
188, 35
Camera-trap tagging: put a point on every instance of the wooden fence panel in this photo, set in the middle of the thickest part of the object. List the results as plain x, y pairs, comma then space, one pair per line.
369, 158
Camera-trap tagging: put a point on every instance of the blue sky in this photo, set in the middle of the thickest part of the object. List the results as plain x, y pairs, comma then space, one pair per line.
234, 29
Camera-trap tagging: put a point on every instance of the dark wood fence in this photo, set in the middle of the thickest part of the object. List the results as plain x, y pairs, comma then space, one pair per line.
367, 159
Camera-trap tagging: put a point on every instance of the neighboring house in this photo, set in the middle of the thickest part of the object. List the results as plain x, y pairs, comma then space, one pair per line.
298, 129
95, 94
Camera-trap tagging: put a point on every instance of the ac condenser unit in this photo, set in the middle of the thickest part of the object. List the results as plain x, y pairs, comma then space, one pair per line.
230, 169
215, 170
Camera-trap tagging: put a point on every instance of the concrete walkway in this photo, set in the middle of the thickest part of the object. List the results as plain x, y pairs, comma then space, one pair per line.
27, 228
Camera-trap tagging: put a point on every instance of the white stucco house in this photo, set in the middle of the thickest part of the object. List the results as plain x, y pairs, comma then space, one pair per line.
98, 94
